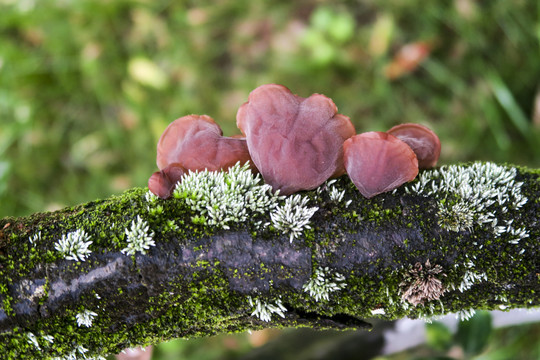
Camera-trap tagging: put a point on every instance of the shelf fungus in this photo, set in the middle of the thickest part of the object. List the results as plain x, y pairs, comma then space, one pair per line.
162, 182
422, 140
197, 143
378, 162
296, 143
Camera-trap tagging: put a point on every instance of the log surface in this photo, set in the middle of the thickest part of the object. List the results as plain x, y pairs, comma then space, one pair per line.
200, 280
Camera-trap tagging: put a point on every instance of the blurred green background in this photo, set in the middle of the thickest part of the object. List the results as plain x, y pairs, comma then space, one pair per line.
87, 87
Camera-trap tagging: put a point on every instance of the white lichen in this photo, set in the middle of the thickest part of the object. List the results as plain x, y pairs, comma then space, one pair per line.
85, 318
74, 245
457, 217
335, 194
471, 195
134, 352
465, 314
502, 298
514, 234
378, 311
264, 310
427, 312
323, 283
293, 216
34, 239
405, 305
32, 339
139, 238
388, 296
222, 198
150, 197
81, 350
470, 278
48, 338
77, 354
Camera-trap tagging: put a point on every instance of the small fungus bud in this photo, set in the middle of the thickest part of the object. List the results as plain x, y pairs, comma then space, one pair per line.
424, 142
296, 143
196, 143
162, 183
378, 162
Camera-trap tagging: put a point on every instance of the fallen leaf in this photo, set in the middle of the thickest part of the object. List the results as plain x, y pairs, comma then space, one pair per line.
407, 59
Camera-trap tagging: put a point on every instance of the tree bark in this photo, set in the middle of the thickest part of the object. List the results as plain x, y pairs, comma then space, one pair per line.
412, 253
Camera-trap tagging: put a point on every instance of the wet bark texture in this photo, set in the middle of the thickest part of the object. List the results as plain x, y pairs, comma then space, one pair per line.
197, 280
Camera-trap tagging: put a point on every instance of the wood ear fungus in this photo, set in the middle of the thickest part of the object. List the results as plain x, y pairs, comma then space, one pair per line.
296, 143
378, 162
196, 143
162, 183
424, 142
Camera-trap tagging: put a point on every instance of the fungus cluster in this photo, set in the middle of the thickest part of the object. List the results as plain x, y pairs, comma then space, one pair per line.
296, 144
378, 162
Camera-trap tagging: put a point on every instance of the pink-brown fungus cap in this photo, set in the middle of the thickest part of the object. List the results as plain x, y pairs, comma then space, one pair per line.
296, 143
422, 140
162, 183
196, 143
378, 162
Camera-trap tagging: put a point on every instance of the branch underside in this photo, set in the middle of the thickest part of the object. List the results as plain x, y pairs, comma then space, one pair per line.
406, 253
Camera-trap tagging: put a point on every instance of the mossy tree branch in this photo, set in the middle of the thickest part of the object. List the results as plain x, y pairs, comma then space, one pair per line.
416, 252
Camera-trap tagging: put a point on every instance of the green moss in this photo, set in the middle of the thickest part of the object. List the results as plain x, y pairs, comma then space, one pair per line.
206, 305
